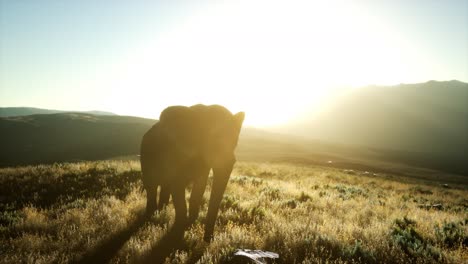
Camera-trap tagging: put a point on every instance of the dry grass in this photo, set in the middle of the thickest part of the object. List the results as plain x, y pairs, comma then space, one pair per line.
307, 214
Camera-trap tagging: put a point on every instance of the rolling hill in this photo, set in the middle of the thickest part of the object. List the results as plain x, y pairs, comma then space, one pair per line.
68, 136
24, 111
424, 123
62, 137
47, 138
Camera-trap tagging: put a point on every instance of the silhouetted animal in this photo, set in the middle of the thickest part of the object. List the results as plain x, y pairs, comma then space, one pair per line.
182, 148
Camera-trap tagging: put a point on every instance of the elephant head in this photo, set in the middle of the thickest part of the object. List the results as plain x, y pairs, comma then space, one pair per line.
210, 132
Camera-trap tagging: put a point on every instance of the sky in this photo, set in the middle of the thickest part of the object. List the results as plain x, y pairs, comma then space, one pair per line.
275, 60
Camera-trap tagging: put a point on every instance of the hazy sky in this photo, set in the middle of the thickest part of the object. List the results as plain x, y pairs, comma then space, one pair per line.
272, 59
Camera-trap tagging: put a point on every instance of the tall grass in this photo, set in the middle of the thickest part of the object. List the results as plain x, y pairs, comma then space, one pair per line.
92, 210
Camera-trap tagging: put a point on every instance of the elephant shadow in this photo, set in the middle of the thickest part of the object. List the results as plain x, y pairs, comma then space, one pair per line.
170, 242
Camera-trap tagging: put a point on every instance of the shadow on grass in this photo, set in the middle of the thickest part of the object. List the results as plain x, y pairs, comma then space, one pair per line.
196, 255
107, 249
171, 241
24, 190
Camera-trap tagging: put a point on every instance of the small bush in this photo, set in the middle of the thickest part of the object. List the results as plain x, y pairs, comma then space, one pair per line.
271, 193
452, 234
349, 192
357, 252
406, 237
291, 204
229, 201
9, 216
246, 180
420, 190
257, 212
267, 173
304, 197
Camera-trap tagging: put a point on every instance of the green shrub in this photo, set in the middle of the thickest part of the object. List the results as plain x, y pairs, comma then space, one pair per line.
229, 202
257, 212
452, 234
357, 252
271, 193
405, 236
349, 192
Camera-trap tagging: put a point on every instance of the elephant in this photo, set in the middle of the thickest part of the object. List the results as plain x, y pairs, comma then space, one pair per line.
180, 150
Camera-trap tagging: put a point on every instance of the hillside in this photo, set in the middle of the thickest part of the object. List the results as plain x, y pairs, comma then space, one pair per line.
426, 123
24, 111
60, 137
67, 137
63, 137
91, 212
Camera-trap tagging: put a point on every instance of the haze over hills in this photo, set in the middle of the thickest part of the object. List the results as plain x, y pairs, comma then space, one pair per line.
427, 118
46, 138
423, 125
49, 138
24, 111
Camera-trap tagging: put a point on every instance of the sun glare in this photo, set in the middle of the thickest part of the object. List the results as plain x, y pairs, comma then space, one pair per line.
270, 59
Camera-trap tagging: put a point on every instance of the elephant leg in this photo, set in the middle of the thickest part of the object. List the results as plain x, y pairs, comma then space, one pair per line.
180, 205
150, 200
164, 194
198, 190
220, 180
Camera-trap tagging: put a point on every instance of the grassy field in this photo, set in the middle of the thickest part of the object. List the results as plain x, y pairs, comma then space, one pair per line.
93, 212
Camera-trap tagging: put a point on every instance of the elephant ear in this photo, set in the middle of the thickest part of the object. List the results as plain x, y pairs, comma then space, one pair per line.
239, 119
181, 127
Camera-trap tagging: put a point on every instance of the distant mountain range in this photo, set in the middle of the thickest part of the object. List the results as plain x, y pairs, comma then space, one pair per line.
427, 122
24, 111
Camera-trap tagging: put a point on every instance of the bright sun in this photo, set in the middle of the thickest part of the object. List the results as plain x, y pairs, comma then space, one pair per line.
270, 59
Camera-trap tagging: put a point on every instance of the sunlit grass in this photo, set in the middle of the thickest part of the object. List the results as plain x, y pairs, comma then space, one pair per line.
307, 214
